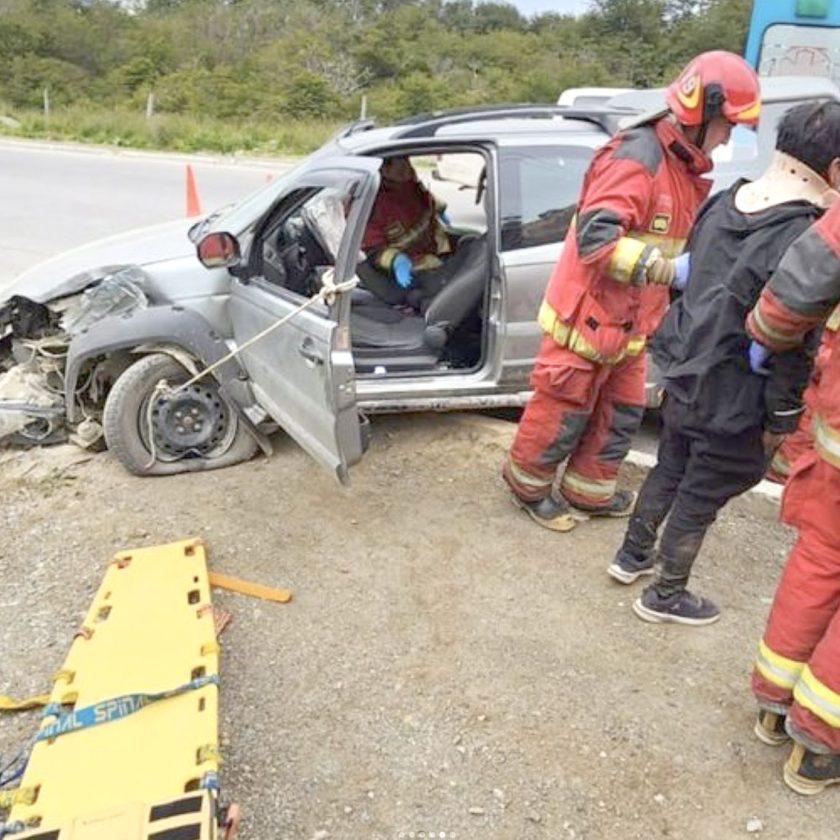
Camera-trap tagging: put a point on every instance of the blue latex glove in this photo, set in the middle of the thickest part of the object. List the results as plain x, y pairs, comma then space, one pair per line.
445, 218
402, 271
682, 267
758, 356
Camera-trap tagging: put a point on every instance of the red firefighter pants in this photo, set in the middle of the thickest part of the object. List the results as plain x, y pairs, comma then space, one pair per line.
582, 411
798, 666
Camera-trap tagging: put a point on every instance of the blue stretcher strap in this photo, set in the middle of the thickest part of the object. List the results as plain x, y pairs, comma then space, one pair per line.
117, 708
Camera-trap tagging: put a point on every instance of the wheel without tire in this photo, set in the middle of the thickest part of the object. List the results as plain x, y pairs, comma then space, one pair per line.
195, 429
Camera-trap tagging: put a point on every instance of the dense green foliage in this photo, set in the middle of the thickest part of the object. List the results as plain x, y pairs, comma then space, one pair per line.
224, 71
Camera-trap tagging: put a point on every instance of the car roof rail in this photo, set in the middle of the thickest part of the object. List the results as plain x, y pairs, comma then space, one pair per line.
427, 125
352, 128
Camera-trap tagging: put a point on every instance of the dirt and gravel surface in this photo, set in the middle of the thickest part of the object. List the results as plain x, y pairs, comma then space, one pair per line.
446, 668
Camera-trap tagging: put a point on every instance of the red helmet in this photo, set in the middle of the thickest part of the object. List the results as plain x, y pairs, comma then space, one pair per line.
715, 84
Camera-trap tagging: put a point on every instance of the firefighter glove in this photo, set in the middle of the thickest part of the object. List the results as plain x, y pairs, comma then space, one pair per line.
682, 267
661, 270
402, 271
444, 217
758, 354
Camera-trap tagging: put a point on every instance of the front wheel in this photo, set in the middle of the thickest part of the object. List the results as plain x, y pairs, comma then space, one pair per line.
152, 433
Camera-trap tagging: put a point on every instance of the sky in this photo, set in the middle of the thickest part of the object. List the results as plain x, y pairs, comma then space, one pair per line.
532, 7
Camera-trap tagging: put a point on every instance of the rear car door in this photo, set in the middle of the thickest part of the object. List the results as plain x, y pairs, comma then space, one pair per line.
302, 372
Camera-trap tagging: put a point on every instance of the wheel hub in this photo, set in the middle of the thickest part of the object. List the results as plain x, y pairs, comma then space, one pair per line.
193, 421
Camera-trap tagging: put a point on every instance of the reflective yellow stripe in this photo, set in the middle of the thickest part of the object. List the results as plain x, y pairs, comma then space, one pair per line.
596, 489
777, 669
817, 698
833, 322
386, 257
774, 337
567, 336
780, 464
668, 246
522, 477
629, 260
826, 441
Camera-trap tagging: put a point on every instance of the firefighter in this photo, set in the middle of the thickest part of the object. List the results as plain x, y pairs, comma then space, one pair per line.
797, 443
796, 678
407, 244
609, 291
721, 421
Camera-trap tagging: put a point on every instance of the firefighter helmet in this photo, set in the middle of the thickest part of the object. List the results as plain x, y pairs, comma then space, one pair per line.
715, 84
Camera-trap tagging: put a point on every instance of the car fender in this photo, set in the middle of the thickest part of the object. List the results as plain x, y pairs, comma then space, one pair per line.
181, 333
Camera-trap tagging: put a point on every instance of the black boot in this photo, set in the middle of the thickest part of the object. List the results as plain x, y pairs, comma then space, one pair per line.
619, 504
550, 513
809, 772
770, 728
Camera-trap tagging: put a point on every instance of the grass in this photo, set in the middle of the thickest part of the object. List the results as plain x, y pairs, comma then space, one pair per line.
171, 132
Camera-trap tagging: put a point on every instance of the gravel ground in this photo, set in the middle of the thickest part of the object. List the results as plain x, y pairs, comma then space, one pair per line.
446, 668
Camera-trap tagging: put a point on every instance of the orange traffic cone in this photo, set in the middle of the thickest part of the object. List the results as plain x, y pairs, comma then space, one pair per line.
193, 204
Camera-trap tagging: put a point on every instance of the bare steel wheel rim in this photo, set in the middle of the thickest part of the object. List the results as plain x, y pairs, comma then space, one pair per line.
194, 423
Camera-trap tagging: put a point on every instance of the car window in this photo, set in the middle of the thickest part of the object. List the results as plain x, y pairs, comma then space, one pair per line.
795, 50
301, 243
538, 193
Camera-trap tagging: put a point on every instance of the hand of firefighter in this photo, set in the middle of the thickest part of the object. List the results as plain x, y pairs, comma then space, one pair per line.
661, 271
444, 217
402, 271
758, 354
682, 267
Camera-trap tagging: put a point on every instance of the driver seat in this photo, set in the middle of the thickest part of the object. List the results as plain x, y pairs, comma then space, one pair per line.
382, 336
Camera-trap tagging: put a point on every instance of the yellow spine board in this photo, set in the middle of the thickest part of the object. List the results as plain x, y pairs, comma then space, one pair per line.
191, 816
149, 629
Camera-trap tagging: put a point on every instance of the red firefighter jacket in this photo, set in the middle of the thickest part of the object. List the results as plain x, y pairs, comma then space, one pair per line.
405, 219
638, 200
801, 295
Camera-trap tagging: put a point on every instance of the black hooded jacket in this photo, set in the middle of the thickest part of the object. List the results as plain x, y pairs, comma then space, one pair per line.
702, 344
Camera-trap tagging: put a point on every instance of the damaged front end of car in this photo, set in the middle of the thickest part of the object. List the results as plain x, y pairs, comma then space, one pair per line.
34, 341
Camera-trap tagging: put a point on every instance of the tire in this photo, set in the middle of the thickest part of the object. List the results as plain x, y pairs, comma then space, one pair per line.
219, 438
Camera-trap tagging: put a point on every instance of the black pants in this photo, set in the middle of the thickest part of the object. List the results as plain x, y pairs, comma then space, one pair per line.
697, 473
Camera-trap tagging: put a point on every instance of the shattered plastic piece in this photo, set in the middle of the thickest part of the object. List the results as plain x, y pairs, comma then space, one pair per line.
116, 294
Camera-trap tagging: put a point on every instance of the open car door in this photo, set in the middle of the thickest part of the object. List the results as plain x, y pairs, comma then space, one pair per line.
302, 373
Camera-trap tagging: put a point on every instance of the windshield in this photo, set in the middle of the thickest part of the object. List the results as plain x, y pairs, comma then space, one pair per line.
236, 218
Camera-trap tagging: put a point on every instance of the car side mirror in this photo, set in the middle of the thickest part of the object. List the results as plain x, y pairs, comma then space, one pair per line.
219, 250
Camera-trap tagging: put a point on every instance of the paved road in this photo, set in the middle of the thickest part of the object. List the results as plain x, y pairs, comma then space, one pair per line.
57, 197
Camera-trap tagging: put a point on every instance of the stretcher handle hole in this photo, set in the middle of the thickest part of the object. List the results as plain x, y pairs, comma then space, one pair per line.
198, 673
194, 596
191, 785
103, 614
201, 704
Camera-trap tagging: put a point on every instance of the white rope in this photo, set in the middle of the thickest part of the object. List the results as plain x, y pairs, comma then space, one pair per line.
327, 293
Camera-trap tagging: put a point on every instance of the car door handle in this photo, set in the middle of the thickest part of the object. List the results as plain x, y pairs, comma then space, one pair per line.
308, 351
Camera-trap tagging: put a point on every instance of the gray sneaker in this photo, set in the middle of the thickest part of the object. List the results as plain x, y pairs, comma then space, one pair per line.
556, 515
627, 568
680, 608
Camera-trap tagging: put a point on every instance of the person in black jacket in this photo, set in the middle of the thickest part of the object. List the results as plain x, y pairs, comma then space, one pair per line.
721, 421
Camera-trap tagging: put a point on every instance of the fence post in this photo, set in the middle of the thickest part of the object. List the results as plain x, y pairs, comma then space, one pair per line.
150, 105
363, 109
46, 103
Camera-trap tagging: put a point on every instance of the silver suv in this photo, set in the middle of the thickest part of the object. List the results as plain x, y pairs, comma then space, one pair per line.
88, 338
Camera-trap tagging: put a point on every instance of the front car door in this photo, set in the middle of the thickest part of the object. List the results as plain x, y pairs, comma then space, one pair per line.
302, 372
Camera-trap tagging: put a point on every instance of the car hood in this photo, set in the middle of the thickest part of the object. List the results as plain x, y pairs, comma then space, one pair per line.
71, 271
